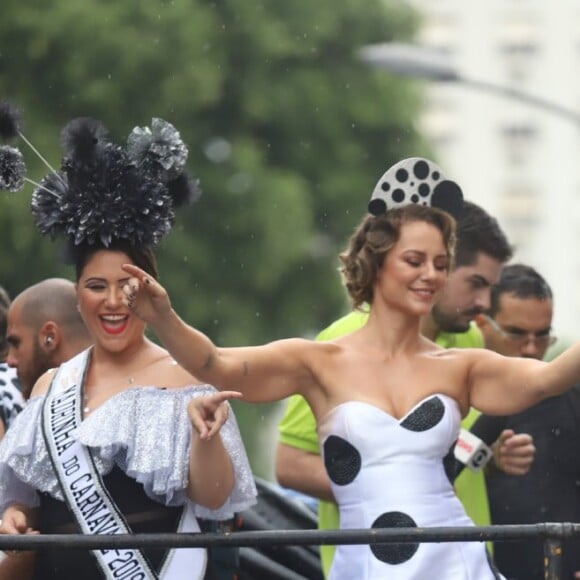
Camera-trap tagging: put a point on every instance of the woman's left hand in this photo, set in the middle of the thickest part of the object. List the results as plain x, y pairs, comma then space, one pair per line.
208, 413
144, 296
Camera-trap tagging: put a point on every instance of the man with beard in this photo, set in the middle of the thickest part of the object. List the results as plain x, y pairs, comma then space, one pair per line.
481, 250
44, 330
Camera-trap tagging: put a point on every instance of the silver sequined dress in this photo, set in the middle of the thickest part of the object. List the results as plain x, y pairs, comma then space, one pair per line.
143, 432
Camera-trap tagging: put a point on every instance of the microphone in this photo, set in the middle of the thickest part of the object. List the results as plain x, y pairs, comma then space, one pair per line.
471, 451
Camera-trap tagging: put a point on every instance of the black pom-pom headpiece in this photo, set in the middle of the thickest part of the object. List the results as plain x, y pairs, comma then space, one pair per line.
10, 121
416, 180
105, 192
12, 166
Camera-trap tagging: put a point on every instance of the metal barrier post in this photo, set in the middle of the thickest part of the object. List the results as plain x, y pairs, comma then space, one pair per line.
555, 534
553, 559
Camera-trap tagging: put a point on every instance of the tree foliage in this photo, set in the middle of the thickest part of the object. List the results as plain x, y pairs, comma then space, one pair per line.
287, 131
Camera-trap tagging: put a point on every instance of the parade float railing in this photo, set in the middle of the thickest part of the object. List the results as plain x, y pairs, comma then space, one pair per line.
553, 535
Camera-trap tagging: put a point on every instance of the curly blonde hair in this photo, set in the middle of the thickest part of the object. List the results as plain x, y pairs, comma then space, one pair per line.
373, 239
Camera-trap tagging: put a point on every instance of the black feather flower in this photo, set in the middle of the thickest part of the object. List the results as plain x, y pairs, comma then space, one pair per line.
84, 139
10, 121
184, 189
12, 169
158, 149
46, 204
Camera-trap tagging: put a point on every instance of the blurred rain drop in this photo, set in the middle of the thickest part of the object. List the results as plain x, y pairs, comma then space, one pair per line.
218, 150
239, 183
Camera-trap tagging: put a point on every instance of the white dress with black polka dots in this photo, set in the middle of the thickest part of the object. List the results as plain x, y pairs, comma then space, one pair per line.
390, 473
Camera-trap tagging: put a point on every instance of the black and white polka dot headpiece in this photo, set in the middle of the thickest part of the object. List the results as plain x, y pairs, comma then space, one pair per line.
416, 180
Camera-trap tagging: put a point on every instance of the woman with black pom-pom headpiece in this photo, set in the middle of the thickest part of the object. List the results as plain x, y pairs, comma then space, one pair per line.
120, 439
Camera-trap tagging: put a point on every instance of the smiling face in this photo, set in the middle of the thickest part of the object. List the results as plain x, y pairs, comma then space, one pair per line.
415, 269
100, 298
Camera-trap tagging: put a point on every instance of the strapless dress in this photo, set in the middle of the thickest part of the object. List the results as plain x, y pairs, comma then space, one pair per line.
389, 472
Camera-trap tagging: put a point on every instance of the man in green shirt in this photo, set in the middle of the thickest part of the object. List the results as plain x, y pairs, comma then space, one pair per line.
481, 250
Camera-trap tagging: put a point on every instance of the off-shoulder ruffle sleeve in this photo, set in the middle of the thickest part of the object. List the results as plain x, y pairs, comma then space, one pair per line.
19, 449
147, 433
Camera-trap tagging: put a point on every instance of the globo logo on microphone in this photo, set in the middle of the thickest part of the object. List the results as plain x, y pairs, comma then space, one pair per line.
472, 451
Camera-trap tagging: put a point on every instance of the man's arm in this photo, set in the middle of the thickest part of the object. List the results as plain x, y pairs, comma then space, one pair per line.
303, 471
299, 465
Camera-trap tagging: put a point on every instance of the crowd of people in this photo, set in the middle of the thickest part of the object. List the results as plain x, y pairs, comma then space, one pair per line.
106, 431
386, 399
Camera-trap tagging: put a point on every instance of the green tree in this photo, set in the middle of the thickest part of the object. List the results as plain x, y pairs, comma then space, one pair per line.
288, 134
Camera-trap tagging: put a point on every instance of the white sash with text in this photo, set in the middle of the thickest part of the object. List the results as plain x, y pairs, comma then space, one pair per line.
86, 496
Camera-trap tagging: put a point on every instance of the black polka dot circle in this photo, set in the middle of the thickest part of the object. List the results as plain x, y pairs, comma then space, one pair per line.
421, 169
341, 459
398, 195
426, 416
402, 175
394, 553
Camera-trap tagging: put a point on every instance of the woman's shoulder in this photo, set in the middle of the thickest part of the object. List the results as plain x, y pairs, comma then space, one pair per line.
459, 359
170, 375
468, 358
163, 371
41, 386
460, 352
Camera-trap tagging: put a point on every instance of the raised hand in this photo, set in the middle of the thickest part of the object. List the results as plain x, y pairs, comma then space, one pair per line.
208, 413
144, 295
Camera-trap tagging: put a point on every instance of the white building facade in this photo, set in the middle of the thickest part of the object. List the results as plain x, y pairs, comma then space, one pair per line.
518, 161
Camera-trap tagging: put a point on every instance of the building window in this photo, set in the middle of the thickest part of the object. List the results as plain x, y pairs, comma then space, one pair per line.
438, 120
439, 34
519, 212
518, 139
518, 47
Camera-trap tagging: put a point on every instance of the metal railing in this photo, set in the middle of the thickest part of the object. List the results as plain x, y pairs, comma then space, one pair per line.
553, 535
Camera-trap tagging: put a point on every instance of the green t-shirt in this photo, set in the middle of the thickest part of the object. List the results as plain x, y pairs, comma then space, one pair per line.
298, 429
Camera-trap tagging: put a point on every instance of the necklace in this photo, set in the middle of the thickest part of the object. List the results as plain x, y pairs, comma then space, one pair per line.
129, 380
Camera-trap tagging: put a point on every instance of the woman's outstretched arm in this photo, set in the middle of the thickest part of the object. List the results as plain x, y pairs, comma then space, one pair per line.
262, 373
505, 385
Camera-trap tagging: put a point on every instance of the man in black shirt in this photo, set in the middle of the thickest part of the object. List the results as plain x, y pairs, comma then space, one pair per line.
519, 324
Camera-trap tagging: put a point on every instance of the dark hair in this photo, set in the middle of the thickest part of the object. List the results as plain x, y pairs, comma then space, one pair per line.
478, 232
4, 306
373, 239
142, 256
522, 281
